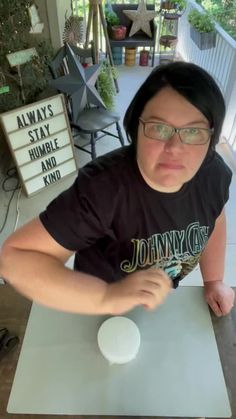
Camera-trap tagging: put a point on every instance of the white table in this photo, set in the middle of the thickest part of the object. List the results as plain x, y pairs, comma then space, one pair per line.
177, 371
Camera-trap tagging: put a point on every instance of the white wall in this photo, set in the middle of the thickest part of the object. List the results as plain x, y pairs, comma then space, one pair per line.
57, 10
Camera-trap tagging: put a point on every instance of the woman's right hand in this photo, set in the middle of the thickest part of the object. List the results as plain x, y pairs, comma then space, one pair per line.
148, 287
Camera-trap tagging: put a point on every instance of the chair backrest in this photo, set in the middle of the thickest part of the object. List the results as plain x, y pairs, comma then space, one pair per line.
58, 65
124, 20
59, 68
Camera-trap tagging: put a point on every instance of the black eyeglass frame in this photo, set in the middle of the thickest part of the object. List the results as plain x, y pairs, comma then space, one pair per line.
176, 130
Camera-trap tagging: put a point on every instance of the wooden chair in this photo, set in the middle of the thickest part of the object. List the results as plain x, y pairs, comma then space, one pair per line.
93, 122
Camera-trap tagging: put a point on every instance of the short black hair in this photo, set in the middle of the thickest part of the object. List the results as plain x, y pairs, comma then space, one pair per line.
189, 80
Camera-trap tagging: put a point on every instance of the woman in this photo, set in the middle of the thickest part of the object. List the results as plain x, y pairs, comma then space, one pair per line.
139, 218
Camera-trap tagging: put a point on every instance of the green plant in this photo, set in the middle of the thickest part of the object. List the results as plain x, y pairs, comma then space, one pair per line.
111, 18
179, 4
202, 22
105, 84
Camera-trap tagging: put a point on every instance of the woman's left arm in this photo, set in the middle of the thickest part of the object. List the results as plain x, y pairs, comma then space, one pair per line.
219, 296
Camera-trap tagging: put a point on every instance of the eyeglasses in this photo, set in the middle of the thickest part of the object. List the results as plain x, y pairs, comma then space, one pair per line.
163, 132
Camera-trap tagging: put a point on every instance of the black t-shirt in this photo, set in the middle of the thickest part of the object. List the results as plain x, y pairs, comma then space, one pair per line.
117, 224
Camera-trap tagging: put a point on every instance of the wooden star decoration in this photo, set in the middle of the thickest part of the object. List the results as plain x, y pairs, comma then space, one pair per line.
79, 83
141, 19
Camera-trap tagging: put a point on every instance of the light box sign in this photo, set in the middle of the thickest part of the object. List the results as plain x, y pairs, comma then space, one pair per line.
40, 141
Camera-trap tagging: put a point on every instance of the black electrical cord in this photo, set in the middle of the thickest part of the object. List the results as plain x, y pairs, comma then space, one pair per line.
11, 174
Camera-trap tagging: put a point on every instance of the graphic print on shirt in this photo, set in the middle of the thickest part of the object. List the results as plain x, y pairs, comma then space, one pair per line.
177, 252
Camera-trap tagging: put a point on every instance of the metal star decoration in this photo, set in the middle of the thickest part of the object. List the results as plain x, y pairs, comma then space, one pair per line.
79, 83
141, 18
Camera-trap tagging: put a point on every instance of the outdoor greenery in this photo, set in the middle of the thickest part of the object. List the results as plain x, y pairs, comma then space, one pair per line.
202, 22
223, 12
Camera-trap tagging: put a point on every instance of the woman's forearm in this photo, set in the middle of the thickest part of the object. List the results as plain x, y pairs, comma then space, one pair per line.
212, 260
45, 279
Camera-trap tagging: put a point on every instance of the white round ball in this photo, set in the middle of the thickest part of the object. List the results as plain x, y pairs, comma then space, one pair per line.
119, 340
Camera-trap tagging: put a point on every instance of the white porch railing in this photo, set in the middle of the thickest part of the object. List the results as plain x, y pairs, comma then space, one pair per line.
220, 62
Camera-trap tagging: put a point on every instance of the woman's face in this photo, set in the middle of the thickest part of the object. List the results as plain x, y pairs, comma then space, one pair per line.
166, 166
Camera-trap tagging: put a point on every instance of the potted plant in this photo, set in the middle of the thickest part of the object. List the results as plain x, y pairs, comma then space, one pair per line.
115, 30
173, 4
180, 4
202, 29
111, 18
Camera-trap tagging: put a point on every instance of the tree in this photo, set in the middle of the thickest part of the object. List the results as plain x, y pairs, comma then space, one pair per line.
14, 36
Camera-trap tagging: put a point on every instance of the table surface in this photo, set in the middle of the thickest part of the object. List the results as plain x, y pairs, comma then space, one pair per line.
14, 314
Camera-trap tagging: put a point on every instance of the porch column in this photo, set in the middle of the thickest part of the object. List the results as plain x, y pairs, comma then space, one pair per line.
57, 10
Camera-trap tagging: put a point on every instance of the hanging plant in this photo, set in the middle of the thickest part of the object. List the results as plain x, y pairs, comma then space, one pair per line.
105, 84
202, 22
202, 29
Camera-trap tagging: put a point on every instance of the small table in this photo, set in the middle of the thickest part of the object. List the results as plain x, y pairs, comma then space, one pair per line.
15, 310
